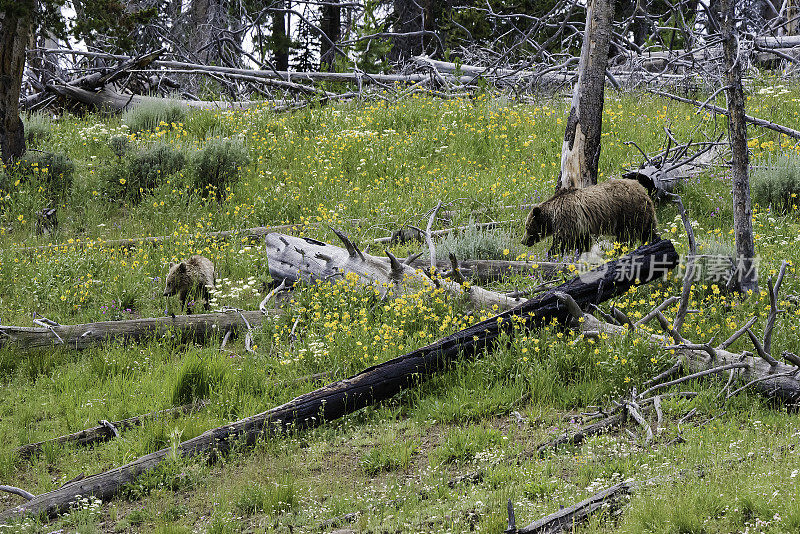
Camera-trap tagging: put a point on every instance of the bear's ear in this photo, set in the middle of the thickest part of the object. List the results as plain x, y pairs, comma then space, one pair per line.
536, 213
172, 264
181, 267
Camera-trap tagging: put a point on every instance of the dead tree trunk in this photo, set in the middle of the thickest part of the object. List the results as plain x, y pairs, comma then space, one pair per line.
15, 26
104, 432
331, 26
378, 382
737, 130
581, 151
280, 39
81, 336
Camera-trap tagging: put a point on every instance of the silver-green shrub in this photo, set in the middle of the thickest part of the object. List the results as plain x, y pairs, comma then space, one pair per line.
218, 165
37, 127
147, 116
143, 170
52, 171
776, 182
475, 243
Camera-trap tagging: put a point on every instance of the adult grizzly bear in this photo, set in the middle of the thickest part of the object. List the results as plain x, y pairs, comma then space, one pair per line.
193, 276
621, 208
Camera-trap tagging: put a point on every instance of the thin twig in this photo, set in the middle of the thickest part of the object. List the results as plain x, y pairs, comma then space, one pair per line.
760, 349
429, 237
669, 372
683, 308
773, 308
739, 333
633, 409
693, 376
275, 291
757, 380
666, 304
659, 414
687, 416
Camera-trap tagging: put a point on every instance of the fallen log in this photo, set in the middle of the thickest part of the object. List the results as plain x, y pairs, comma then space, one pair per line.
375, 383
778, 380
103, 432
301, 76
494, 270
97, 79
565, 519
107, 98
292, 259
81, 336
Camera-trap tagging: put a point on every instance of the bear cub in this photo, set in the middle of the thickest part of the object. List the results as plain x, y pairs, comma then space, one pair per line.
191, 277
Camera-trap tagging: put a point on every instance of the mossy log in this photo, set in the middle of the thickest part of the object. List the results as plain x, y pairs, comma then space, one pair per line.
378, 382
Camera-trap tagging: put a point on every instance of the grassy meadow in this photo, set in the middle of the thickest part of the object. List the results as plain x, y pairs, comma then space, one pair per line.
444, 456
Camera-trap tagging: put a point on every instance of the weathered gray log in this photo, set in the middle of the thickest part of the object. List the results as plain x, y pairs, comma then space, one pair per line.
510, 75
101, 432
300, 76
378, 382
97, 79
81, 336
107, 98
304, 259
665, 177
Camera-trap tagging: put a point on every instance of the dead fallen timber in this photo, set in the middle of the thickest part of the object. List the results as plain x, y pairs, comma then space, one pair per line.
292, 259
80, 336
378, 382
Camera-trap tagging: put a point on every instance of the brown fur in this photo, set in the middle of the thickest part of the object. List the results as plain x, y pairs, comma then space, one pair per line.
621, 208
191, 277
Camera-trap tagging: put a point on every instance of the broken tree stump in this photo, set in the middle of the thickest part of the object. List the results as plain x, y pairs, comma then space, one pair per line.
378, 382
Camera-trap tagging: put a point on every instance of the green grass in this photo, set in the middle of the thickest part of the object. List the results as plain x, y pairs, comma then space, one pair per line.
444, 455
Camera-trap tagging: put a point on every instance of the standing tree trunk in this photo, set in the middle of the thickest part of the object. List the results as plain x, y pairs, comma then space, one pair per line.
581, 151
331, 25
737, 131
280, 40
15, 27
411, 16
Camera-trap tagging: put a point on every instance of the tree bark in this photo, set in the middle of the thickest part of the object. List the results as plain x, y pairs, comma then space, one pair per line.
581, 151
375, 383
15, 27
737, 130
331, 25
